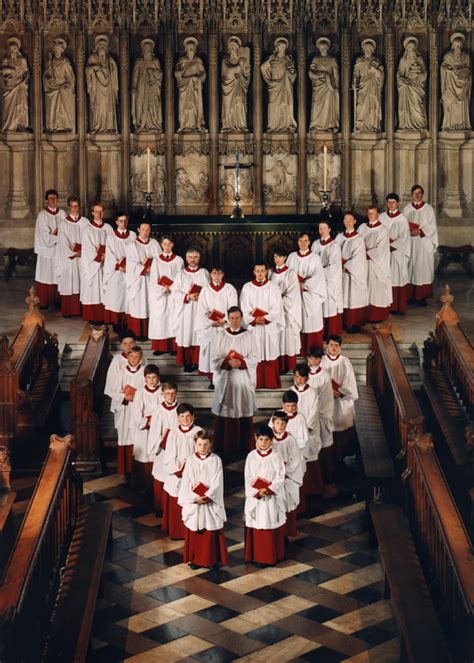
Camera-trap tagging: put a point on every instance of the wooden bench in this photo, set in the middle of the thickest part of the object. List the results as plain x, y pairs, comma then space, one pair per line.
422, 638
374, 448
443, 543
45, 563
6, 526
457, 254
29, 383
87, 399
401, 414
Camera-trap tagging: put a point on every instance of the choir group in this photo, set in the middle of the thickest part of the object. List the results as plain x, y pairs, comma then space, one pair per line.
241, 344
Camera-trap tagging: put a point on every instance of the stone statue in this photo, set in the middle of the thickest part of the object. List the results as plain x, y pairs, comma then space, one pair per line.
15, 77
367, 83
147, 78
279, 73
58, 83
456, 82
159, 183
235, 79
190, 76
102, 86
411, 84
324, 75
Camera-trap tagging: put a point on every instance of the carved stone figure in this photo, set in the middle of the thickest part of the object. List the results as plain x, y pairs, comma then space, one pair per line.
324, 75
456, 82
411, 84
282, 187
102, 86
367, 83
185, 189
279, 73
235, 77
15, 76
147, 78
159, 183
190, 76
58, 83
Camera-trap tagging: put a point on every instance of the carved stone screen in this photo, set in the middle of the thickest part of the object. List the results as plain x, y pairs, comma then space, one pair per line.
88, 85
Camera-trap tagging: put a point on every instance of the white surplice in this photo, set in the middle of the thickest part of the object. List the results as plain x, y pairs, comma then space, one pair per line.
354, 276
320, 381
143, 409
400, 246
132, 377
179, 447
341, 371
212, 298
184, 309
115, 291
68, 264
164, 419
208, 471
234, 392
47, 227
265, 296
290, 335
295, 466
137, 277
423, 247
160, 300
309, 268
92, 269
377, 249
268, 512
308, 406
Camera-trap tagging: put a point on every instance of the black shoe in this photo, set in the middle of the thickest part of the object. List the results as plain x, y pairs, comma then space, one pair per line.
353, 330
157, 353
188, 369
211, 386
193, 567
193, 368
173, 353
421, 302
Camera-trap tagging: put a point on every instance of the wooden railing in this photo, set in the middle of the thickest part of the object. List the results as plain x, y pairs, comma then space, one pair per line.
443, 540
32, 573
86, 399
456, 359
398, 406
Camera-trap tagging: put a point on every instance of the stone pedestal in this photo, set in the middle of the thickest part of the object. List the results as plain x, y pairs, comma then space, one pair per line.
59, 152
450, 172
367, 166
411, 162
21, 148
104, 170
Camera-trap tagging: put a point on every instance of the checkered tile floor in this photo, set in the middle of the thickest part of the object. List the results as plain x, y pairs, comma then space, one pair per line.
324, 603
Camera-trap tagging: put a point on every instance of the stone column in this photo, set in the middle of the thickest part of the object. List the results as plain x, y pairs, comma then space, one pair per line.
36, 122
169, 117
434, 116
346, 118
301, 193
81, 119
20, 144
257, 119
213, 119
125, 119
389, 111
449, 147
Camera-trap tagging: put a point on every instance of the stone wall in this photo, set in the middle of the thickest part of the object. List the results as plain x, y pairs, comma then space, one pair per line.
357, 98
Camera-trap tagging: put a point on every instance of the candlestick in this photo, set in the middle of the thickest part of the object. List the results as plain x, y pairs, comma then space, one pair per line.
148, 170
325, 168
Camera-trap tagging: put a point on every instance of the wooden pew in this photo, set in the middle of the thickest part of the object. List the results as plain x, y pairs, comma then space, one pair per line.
374, 448
398, 406
448, 386
42, 557
6, 526
87, 398
422, 638
443, 542
29, 372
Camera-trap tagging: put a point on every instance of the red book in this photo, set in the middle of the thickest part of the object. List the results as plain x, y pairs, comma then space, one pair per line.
165, 281
300, 278
77, 247
194, 289
258, 313
146, 266
414, 226
260, 483
128, 391
101, 250
233, 354
200, 489
216, 315
123, 262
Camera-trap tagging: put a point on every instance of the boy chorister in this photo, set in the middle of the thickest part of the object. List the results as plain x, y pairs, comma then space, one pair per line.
320, 380
296, 424
164, 419
179, 446
308, 406
68, 256
146, 402
115, 267
265, 513
123, 393
345, 393
119, 361
201, 497
285, 444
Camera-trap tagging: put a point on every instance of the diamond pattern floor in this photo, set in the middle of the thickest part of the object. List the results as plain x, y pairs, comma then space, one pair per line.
323, 603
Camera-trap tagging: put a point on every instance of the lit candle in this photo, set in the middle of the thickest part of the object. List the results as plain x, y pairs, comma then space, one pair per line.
325, 168
148, 171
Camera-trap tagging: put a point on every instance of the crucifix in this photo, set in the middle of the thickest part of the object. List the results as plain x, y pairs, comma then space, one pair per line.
237, 212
